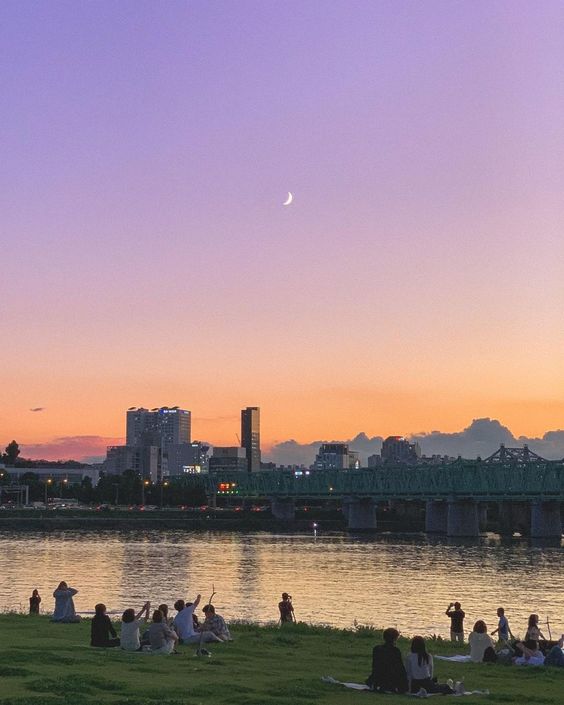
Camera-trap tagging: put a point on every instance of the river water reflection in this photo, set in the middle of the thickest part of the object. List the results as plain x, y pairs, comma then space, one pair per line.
403, 581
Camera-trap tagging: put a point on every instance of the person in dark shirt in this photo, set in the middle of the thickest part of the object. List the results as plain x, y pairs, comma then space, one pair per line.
286, 609
388, 672
102, 628
456, 622
34, 602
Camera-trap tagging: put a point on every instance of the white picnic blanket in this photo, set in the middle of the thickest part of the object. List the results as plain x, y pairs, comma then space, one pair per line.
457, 658
363, 686
354, 686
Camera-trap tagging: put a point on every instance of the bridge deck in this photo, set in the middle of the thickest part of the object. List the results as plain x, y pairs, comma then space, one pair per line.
487, 482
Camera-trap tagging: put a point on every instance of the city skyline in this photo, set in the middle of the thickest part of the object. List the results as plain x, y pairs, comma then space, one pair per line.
414, 283
480, 438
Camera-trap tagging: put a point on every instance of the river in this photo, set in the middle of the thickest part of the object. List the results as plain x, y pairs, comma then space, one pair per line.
404, 581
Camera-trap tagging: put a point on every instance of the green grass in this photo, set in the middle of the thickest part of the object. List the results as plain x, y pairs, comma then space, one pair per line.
51, 664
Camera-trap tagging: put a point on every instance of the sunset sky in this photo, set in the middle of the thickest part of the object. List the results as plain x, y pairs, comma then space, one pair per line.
416, 282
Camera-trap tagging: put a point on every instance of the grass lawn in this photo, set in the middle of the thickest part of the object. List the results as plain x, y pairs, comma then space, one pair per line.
51, 664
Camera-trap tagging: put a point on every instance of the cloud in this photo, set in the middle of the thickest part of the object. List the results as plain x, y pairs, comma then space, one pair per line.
38, 408
83, 448
481, 438
294, 453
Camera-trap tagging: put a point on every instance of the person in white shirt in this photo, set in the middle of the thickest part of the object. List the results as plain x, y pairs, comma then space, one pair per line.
419, 668
482, 646
183, 624
129, 638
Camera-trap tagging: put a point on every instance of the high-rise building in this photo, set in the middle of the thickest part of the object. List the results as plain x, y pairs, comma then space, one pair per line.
250, 436
160, 427
332, 456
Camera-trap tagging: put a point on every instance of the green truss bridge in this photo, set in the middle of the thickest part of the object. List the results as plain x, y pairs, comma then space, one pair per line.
452, 492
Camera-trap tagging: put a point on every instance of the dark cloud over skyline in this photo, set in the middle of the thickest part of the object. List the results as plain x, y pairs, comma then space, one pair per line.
481, 438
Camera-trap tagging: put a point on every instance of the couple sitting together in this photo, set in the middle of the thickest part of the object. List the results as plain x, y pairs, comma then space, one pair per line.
390, 674
163, 633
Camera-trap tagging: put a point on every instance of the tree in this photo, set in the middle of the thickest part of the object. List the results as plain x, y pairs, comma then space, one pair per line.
12, 452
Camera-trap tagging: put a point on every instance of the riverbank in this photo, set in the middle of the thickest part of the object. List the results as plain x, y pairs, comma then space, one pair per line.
51, 664
195, 519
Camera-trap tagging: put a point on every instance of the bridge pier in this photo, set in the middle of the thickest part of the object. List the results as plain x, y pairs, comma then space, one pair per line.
283, 508
436, 513
463, 518
546, 520
483, 516
360, 513
512, 517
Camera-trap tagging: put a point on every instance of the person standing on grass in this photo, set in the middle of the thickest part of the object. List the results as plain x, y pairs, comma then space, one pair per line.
102, 632
456, 622
503, 631
64, 604
161, 637
130, 637
388, 672
34, 602
286, 609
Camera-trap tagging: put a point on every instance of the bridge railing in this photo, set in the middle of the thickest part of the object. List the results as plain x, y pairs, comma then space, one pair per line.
460, 479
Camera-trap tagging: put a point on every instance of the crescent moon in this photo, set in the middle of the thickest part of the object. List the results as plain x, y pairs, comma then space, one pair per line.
289, 199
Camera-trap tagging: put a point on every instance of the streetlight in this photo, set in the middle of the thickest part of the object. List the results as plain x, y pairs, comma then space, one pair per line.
47, 483
64, 483
163, 484
144, 483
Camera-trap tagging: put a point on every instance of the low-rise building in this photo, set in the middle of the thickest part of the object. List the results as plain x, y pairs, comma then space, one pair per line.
187, 459
228, 458
332, 456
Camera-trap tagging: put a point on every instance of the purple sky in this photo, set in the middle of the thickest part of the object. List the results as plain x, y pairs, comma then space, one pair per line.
416, 281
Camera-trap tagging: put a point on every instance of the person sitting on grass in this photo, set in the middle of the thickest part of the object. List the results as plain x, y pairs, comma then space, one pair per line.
102, 629
162, 638
419, 667
482, 646
215, 623
130, 639
533, 631
388, 672
34, 602
166, 619
183, 623
532, 655
555, 656
64, 604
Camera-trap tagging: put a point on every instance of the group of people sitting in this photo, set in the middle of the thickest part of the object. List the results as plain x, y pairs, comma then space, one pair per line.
391, 673
160, 636
534, 650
